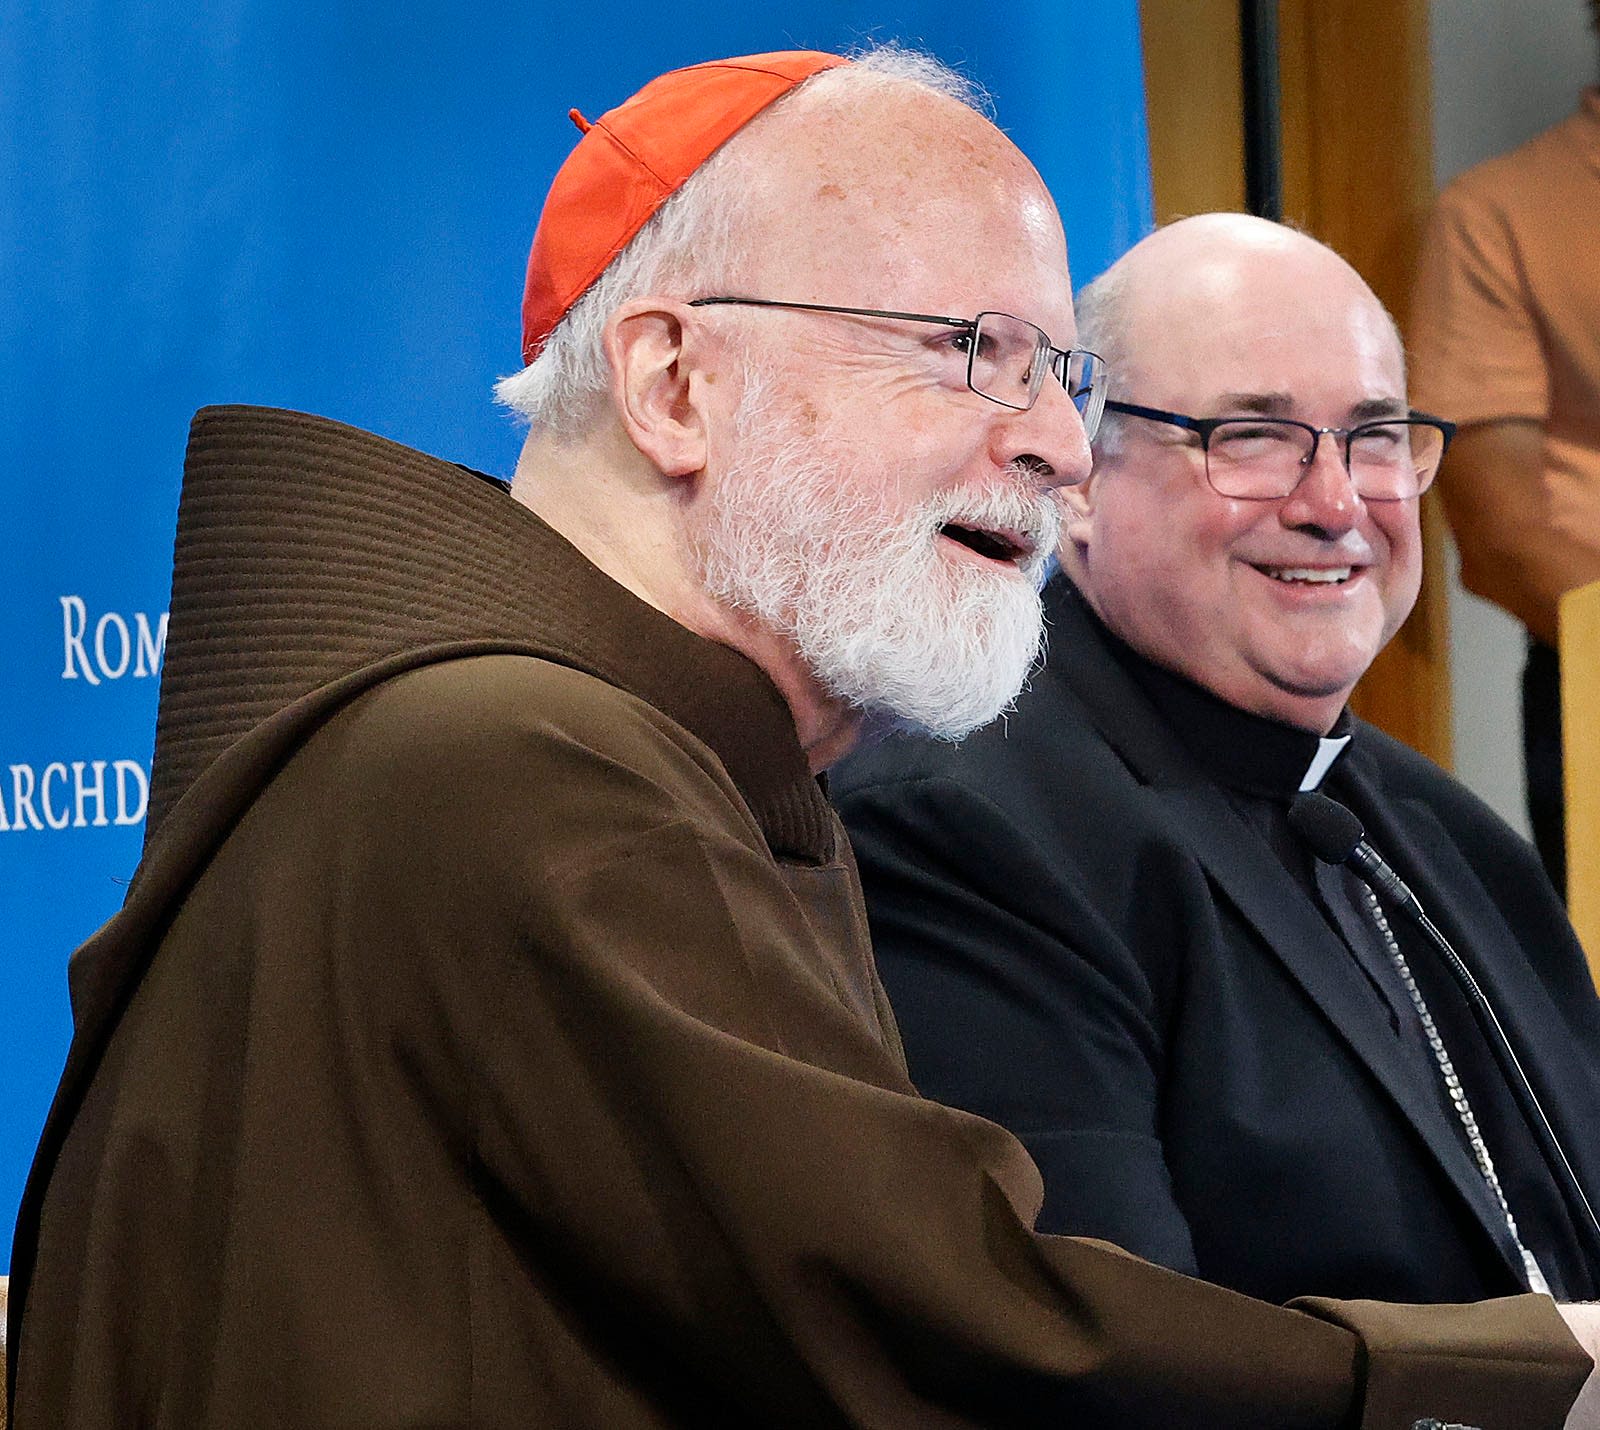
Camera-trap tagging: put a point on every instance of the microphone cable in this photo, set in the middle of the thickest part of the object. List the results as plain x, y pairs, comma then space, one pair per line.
1335, 836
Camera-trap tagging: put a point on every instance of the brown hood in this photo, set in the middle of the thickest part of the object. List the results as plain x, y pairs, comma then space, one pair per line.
308, 551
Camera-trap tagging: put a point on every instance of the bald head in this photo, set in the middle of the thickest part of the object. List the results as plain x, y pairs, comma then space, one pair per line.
1201, 278
858, 188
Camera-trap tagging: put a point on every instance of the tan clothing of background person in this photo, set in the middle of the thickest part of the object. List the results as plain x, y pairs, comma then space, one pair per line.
1505, 341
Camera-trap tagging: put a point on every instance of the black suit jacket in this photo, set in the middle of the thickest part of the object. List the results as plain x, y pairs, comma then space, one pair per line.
1086, 941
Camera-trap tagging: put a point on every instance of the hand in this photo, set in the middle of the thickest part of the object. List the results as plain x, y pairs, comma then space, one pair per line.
1584, 1323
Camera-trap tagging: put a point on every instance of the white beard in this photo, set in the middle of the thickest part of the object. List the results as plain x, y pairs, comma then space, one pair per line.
801, 535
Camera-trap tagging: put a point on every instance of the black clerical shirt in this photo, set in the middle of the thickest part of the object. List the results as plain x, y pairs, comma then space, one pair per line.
1261, 764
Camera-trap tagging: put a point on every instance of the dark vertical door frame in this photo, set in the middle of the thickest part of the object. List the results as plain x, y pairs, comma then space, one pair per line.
1263, 138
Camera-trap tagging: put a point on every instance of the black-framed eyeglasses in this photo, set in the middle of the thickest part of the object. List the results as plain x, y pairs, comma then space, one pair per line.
1007, 358
1264, 458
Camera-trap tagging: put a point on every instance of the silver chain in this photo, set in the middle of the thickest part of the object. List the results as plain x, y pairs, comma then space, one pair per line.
1452, 1085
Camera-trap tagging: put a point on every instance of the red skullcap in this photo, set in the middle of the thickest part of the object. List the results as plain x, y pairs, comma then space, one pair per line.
631, 160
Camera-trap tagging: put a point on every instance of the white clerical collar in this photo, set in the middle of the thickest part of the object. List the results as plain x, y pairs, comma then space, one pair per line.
1329, 748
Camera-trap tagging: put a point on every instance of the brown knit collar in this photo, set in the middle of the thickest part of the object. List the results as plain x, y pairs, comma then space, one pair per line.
308, 550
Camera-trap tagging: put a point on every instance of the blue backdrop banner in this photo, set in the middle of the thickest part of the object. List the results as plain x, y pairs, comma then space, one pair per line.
325, 207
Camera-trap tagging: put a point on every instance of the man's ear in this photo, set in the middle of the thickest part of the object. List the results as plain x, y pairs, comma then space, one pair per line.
1078, 502
653, 350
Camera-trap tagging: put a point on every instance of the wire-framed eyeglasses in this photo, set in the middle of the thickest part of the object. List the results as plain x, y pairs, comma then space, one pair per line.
1006, 358
1264, 458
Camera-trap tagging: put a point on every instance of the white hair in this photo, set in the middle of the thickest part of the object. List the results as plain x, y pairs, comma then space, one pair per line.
801, 535
1101, 309
697, 241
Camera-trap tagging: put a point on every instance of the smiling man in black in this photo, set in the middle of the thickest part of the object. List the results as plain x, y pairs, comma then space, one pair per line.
1095, 920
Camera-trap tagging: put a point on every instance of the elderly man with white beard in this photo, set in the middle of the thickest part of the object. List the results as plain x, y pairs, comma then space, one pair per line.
490, 1036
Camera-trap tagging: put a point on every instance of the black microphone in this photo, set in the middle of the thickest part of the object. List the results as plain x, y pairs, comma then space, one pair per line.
1335, 836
